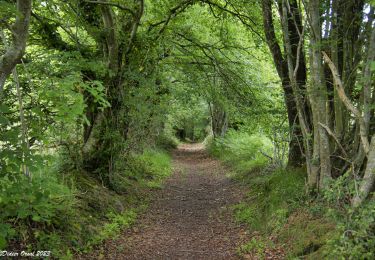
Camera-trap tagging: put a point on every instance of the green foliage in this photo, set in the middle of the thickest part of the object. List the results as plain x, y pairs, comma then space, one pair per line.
337, 197
33, 209
246, 213
117, 222
305, 235
146, 168
167, 141
45, 213
188, 117
151, 164
272, 199
355, 236
242, 151
7, 9
41, 212
254, 246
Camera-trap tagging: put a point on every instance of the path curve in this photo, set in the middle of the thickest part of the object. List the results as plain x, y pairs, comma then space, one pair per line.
190, 218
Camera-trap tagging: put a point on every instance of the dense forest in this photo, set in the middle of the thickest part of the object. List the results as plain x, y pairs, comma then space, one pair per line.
101, 101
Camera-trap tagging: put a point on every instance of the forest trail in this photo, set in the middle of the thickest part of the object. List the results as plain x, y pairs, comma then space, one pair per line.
190, 218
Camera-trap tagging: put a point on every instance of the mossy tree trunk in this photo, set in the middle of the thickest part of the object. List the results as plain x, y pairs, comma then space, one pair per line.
107, 130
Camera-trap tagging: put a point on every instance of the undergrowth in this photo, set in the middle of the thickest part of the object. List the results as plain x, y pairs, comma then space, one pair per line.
355, 232
241, 151
277, 207
167, 141
70, 212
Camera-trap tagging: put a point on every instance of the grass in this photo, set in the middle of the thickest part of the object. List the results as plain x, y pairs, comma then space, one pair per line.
241, 151
117, 222
74, 214
143, 172
276, 204
254, 247
305, 236
271, 199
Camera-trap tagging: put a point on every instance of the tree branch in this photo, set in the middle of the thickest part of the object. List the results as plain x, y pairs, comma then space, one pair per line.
335, 138
172, 13
15, 51
112, 4
240, 16
346, 101
137, 19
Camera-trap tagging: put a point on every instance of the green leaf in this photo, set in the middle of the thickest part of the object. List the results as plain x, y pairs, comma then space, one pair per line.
4, 120
3, 242
373, 63
4, 108
22, 213
7, 9
36, 218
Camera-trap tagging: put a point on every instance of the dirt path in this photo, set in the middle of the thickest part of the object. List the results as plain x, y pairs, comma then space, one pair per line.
190, 218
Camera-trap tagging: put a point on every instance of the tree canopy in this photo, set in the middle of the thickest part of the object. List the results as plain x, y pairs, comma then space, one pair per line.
86, 84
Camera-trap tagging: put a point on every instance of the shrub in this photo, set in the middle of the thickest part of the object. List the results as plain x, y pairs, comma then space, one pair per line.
167, 142
355, 236
241, 150
117, 222
148, 168
149, 165
34, 209
45, 213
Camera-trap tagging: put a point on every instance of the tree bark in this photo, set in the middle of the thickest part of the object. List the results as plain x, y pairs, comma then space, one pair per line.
295, 156
318, 97
108, 130
336, 52
368, 180
345, 41
349, 105
219, 120
367, 82
16, 49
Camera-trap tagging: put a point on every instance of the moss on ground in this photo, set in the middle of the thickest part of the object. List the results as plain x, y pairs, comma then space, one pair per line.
304, 235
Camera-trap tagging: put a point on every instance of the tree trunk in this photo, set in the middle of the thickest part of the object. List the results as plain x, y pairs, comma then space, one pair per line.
20, 31
349, 105
368, 180
295, 156
318, 98
336, 52
107, 133
219, 120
